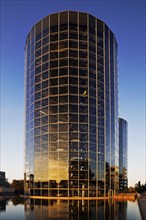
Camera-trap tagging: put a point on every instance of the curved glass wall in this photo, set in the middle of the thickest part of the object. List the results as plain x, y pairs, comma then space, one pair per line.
71, 107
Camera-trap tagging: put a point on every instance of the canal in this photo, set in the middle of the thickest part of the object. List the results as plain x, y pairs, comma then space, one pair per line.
20, 209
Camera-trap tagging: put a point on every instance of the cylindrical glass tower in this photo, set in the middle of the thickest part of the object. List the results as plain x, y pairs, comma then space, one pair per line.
71, 107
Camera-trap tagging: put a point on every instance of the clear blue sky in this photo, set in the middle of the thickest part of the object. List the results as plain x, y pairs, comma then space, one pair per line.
126, 19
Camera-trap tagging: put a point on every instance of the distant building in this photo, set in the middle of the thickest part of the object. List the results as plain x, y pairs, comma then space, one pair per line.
2, 174
71, 107
123, 155
4, 185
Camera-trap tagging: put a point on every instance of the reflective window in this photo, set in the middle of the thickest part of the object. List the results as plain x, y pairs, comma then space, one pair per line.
54, 37
44, 93
54, 82
53, 55
63, 36
45, 41
44, 102
63, 90
45, 49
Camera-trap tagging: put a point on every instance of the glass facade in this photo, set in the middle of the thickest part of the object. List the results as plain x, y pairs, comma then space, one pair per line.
123, 155
71, 107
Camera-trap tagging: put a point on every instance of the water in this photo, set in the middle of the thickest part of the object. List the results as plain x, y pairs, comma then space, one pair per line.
20, 209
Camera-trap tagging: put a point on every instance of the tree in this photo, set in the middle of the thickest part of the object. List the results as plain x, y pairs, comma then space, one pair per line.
18, 185
140, 188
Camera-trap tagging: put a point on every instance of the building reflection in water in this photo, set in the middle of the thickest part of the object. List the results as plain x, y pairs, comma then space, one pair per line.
75, 209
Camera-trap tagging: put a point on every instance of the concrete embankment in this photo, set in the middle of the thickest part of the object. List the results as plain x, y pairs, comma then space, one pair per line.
125, 196
121, 196
142, 206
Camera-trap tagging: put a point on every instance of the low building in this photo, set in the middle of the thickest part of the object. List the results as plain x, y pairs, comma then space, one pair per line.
4, 185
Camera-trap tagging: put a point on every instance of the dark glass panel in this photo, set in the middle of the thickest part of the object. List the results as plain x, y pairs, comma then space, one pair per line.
45, 75
63, 62
73, 44
83, 36
45, 84
37, 122
45, 58
38, 31
63, 118
45, 49
53, 109
45, 32
63, 44
83, 45
83, 72
73, 108
54, 37
37, 131
83, 109
53, 119
38, 61
63, 54
38, 87
73, 80
37, 78
44, 102
54, 82
53, 72
63, 81
45, 120
44, 66
63, 27
83, 128
38, 45
63, 90
53, 46
37, 95
53, 100
45, 41
38, 53
44, 129
73, 62
73, 89
63, 71
73, 99
63, 36
53, 55
54, 23
83, 54
73, 17
73, 117
44, 93
53, 91
99, 28
73, 71
64, 17
53, 63
83, 19
84, 118
53, 128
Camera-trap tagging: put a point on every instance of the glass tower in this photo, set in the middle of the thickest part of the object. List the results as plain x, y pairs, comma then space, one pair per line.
71, 107
123, 155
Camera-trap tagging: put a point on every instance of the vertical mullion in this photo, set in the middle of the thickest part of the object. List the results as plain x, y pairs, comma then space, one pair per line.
96, 41
88, 97
109, 109
48, 108
68, 113
104, 112
78, 108
58, 103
